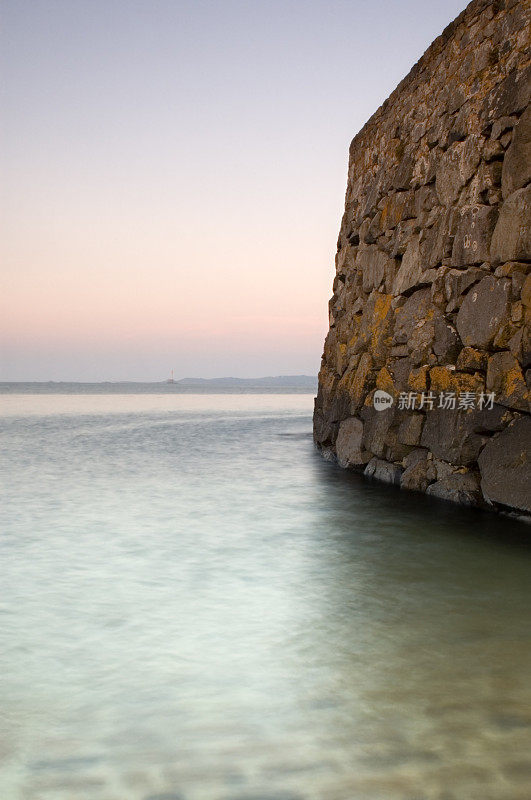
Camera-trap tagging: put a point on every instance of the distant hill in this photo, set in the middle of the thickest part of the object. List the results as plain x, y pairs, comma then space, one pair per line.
277, 382
281, 384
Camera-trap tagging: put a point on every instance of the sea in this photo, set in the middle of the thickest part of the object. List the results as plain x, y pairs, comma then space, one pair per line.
195, 605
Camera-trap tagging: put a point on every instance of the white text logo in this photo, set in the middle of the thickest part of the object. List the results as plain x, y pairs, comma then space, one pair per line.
382, 400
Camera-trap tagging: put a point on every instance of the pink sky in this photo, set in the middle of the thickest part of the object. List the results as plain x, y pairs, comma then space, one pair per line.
173, 178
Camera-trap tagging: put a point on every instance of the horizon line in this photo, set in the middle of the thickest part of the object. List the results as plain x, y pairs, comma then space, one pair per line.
165, 380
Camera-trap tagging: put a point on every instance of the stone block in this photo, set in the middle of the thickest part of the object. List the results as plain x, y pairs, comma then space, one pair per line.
376, 327
483, 311
324, 431
456, 283
376, 267
525, 293
472, 360
415, 325
425, 199
415, 475
410, 271
355, 384
501, 126
348, 444
505, 334
418, 379
462, 488
458, 436
403, 173
510, 96
506, 380
328, 403
505, 466
516, 171
402, 235
438, 240
377, 425
345, 259
447, 379
492, 151
474, 231
425, 168
410, 429
446, 342
485, 184
511, 240
455, 169
441, 469
396, 207
394, 450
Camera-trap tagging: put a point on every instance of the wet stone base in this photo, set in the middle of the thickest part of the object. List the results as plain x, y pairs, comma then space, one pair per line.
421, 472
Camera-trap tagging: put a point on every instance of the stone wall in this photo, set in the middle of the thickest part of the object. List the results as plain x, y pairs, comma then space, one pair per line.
432, 294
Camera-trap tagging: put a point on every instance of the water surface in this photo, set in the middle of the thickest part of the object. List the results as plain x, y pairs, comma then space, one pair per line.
195, 605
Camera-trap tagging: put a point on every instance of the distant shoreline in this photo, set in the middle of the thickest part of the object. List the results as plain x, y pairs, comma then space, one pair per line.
281, 385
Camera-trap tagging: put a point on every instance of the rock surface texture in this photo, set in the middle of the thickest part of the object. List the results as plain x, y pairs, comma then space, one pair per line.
432, 294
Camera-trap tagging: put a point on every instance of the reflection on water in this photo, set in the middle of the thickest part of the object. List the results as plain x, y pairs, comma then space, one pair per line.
195, 605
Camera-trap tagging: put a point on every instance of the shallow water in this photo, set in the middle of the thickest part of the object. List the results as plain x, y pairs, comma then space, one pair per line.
196, 605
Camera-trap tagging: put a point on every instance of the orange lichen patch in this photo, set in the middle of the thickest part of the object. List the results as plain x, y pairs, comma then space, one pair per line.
382, 304
443, 379
341, 358
512, 267
517, 312
357, 382
384, 213
353, 361
345, 323
396, 207
353, 333
384, 381
380, 337
505, 334
472, 359
464, 382
352, 343
526, 292
330, 346
368, 402
506, 380
327, 380
513, 382
440, 378
354, 338
430, 313
418, 379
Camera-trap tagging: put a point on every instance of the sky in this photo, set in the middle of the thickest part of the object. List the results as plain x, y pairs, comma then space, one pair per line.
173, 176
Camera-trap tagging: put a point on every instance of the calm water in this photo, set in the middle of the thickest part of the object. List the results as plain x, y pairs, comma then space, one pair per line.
195, 605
